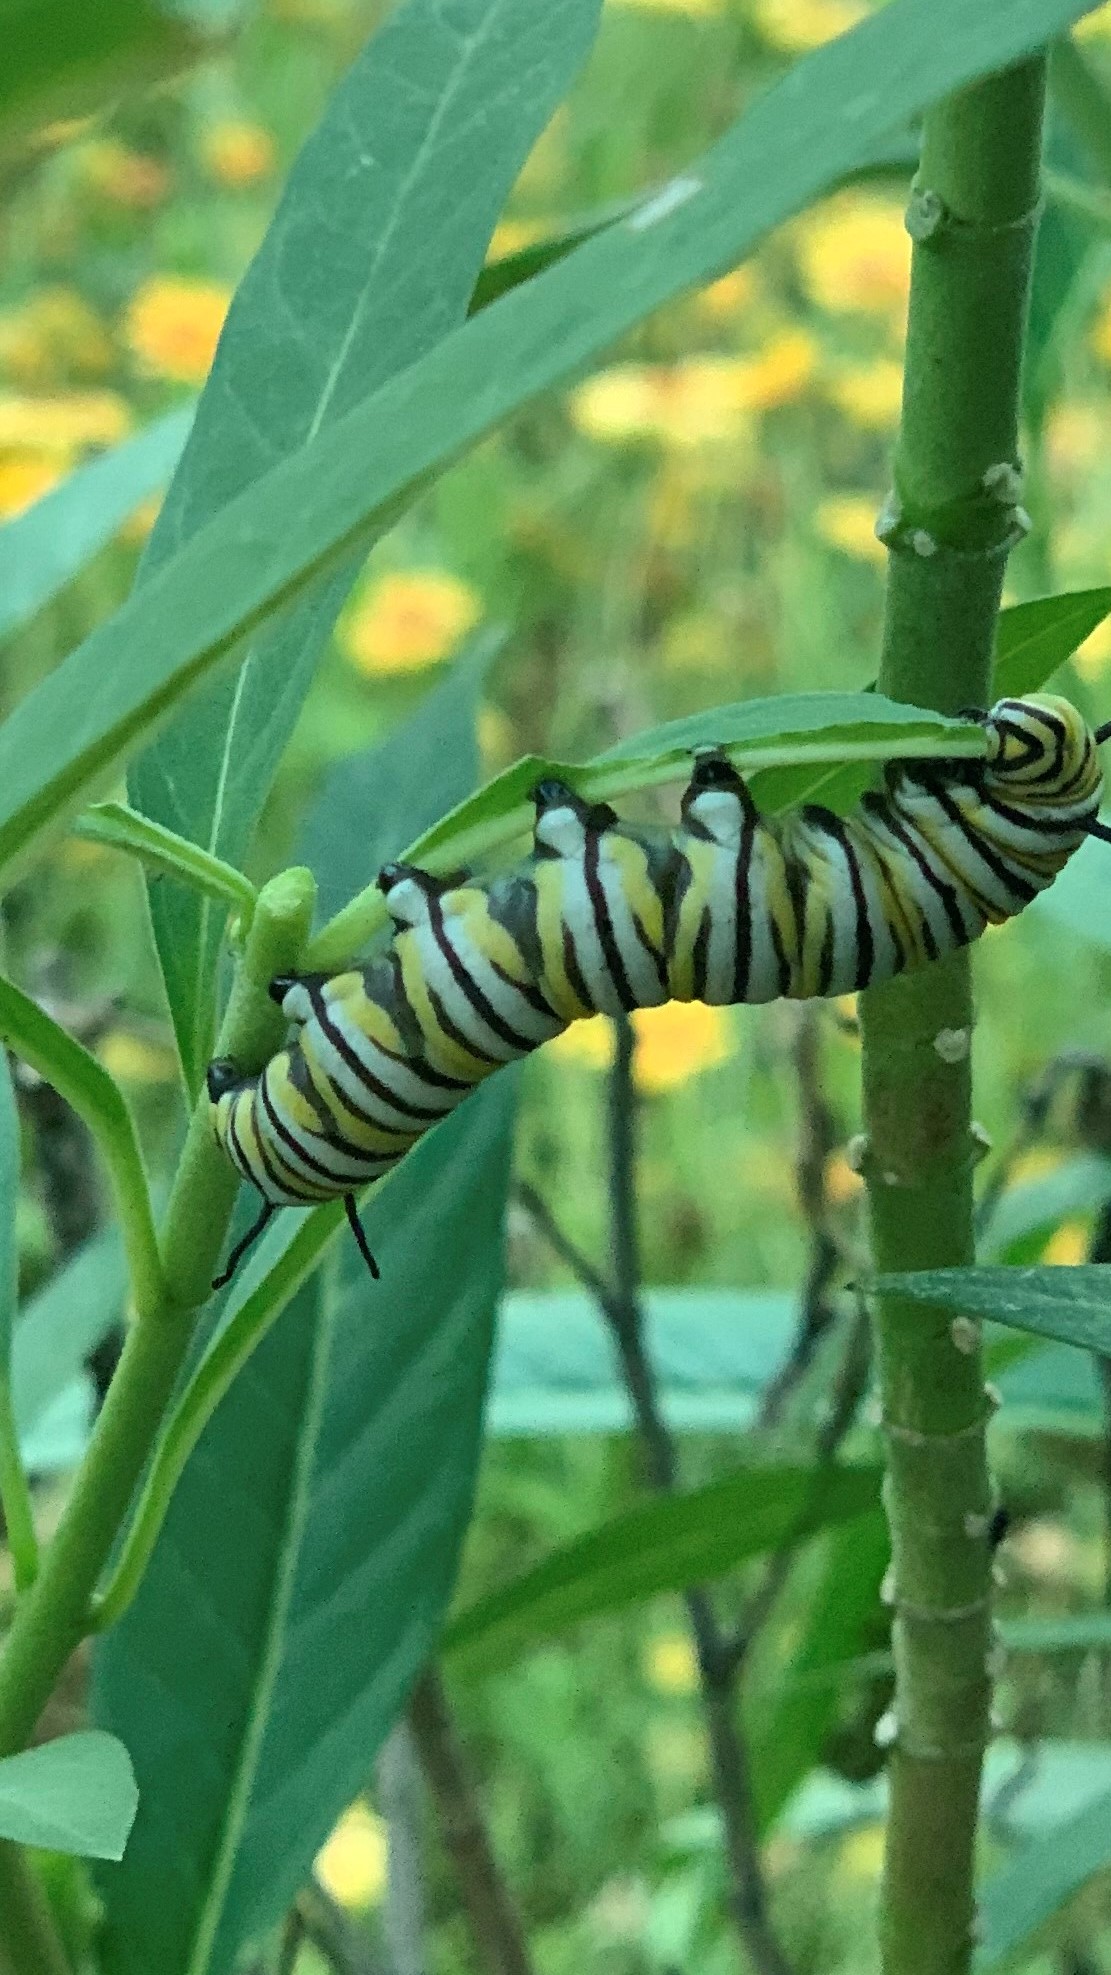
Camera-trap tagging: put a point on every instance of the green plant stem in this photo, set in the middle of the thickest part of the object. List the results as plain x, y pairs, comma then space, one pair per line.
118, 827
974, 218
29, 1944
88, 1089
57, 1611
15, 1495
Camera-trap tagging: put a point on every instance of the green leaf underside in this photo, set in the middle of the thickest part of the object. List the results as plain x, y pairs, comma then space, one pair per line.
660, 1546
63, 1322
1030, 1211
76, 1794
251, 558
43, 548
1072, 1305
1038, 1878
365, 267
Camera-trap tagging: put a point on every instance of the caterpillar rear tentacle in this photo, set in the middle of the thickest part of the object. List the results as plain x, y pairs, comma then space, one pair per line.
602, 917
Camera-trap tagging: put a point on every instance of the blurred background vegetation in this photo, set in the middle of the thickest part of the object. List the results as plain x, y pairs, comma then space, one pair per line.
693, 522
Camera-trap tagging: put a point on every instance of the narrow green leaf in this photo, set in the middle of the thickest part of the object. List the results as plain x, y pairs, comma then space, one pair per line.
661, 1546
42, 549
1072, 1305
1034, 638
14, 1492
789, 1726
76, 1794
1079, 1632
1038, 1878
371, 258
303, 518
117, 827
63, 1322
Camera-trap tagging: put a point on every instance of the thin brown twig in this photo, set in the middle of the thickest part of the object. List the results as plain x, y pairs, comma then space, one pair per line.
495, 1925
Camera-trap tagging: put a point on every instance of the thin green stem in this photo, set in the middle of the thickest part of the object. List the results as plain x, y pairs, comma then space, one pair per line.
91, 1093
29, 1943
57, 1611
973, 216
118, 827
15, 1495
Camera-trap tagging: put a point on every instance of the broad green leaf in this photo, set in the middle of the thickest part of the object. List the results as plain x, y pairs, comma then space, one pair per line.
662, 1545
1028, 1213
1038, 1878
371, 258
789, 1726
303, 518
41, 550
1034, 638
300, 1579
76, 1794
712, 1353
1079, 1632
1072, 1305
63, 61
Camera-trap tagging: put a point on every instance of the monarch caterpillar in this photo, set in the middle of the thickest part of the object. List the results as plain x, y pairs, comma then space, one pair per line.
602, 917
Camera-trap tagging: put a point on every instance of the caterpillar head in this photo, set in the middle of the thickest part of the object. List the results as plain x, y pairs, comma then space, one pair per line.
564, 820
1042, 747
222, 1077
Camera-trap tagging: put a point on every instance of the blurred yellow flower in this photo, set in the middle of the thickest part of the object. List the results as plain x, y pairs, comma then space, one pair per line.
510, 235
1077, 432
139, 524
701, 401
854, 253
1068, 1244
1094, 27
408, 620
696, 641
732, 293
843, 1183
860, 1854
122, 176
670, 1665
132, 1059
351, 1865
173, 326
869, 394
24, 477
65, 423
848, 522
796, 25
238, 153
674, 1042
1093, 657
56, 334
1100, 333
495, 739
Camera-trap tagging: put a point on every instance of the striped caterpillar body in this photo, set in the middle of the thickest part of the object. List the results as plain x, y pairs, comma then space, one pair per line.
602, 917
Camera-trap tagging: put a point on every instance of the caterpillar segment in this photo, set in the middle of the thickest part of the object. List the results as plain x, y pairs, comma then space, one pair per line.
730, 906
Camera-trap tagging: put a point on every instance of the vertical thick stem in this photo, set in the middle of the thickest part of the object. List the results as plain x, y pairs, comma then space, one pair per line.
973, 217
28, 1942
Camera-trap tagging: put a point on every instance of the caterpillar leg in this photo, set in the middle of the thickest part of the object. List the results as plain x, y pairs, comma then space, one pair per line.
356, 1226
269, 1207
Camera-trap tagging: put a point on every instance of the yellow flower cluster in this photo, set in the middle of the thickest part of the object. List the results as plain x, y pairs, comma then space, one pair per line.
674, 1043
42, 437
869, 395
122, 177
173, 325
408, 620
698, 402
848, 522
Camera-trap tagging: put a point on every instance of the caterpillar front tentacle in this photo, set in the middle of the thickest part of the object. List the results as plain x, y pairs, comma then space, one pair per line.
731, 906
